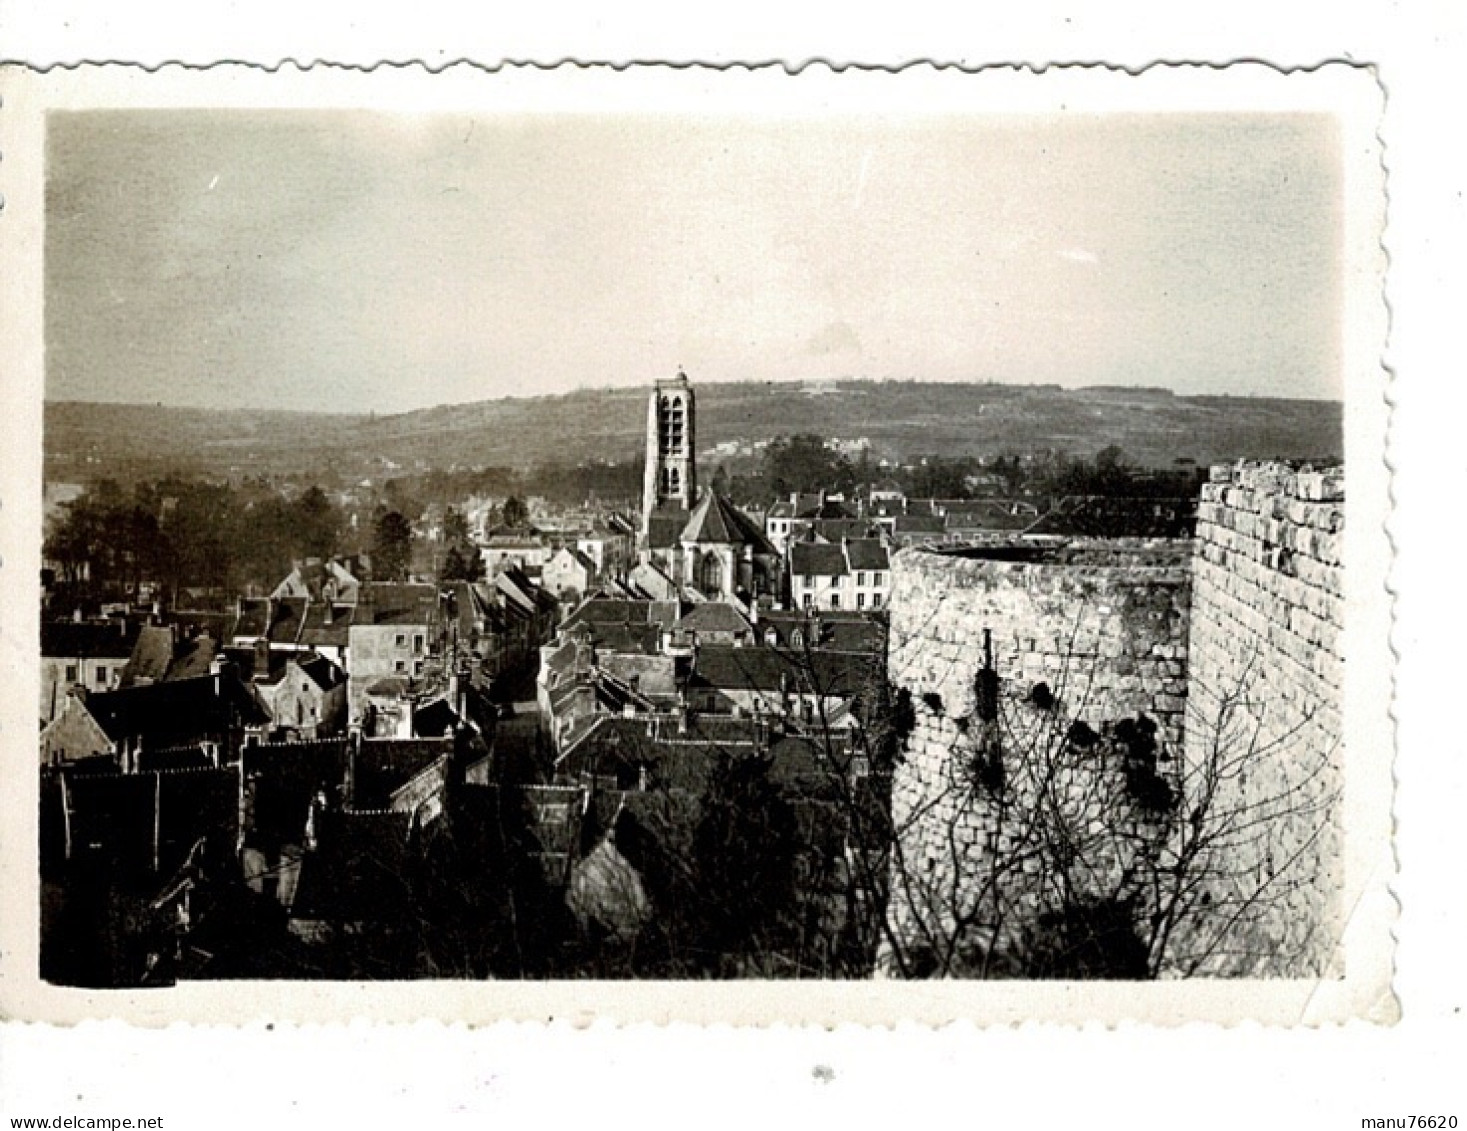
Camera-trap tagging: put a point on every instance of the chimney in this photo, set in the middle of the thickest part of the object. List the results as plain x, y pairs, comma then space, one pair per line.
349, 771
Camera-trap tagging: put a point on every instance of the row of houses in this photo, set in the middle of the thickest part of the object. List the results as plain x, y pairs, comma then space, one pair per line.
312, 667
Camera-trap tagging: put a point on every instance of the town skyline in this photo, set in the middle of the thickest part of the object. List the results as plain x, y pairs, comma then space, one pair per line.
349, 262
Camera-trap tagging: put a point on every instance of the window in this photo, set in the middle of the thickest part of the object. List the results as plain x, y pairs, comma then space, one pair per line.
876, 600
70, 673
101, 676
835, 600
401, 640
876, 579
399, 665
710, 575
809, 600
860, 600
861, 579
418, 642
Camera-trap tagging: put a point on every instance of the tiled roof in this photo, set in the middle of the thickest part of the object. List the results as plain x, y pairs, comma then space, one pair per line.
665, 526
150, 657
867, 554
243, 658
823, 559
174, 712
918, 524
989, 514
69, 640
834, 529
316, 632
603, 610
321, 671
839, 630
288, 615
253, 619
715, 616
717, 521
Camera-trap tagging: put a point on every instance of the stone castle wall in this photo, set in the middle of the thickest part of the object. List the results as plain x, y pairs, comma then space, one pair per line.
1104, 630
1264, 712
1230, 645
1104, 627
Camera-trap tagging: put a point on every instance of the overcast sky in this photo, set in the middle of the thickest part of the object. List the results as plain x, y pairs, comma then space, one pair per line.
347, 262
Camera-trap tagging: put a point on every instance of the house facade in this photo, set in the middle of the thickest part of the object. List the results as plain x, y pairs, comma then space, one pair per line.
85, 654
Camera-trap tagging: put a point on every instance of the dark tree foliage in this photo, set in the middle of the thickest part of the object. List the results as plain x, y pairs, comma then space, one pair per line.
462, 563
514, 512
455, 527
744, 859
803, 463
315, 523
185, 534
392, 546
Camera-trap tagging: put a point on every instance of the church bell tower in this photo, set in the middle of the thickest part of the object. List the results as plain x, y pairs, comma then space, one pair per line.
670, 478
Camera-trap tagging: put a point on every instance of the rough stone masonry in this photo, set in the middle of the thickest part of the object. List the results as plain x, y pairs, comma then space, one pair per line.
1226, 647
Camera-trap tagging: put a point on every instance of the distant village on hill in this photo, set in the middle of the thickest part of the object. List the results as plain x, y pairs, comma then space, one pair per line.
832, 702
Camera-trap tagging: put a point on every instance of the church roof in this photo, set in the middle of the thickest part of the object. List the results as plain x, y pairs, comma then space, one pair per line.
717, 521
663, 526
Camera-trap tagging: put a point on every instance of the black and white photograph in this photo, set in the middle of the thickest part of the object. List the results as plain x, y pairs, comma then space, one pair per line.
712, 541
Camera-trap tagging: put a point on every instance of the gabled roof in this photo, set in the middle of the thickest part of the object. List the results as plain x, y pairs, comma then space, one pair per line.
288, 615
157, 657
715, 616
867, 554
321, 671
243, 658
717, 521
253, 618
150, 657
319, 632
822, 559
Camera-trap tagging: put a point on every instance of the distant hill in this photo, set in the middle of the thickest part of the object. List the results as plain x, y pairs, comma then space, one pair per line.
905, 418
